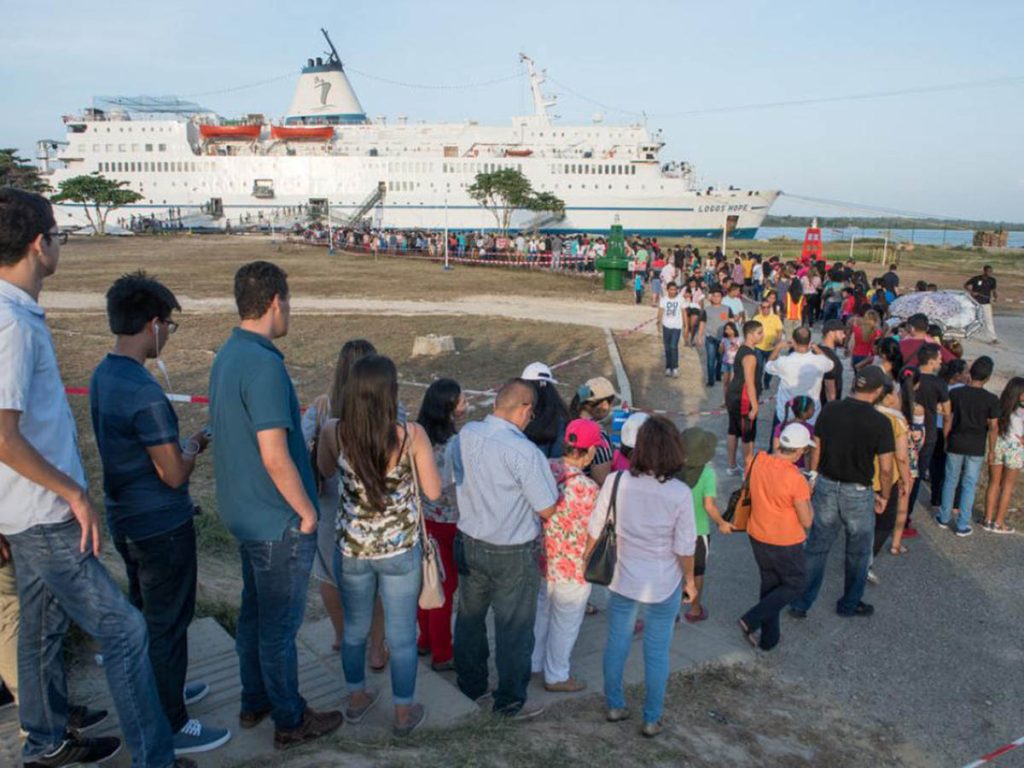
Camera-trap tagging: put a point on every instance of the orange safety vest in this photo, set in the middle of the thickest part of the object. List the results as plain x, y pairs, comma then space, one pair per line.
794, 311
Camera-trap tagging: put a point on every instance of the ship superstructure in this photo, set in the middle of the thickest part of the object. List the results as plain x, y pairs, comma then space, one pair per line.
327, 156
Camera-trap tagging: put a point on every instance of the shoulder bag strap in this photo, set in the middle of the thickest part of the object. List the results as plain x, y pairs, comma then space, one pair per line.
615, 496
746, 480
421, 522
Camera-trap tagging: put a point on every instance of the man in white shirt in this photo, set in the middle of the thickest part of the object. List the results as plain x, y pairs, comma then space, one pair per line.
51, 526
800, 372
668, 274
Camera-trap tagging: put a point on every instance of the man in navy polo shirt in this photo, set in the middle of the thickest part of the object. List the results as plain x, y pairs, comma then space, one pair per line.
145, 482
266, 496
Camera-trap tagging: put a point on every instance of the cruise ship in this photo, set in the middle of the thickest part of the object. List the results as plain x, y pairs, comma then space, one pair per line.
327, 158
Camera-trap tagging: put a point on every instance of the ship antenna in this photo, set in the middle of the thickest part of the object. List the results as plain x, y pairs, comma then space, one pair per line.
334, 57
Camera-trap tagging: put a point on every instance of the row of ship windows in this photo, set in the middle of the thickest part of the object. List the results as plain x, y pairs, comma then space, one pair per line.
121, 147
583, 169
140, 128
147, 167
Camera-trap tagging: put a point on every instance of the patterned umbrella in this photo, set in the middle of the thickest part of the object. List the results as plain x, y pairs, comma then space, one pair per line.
956, 312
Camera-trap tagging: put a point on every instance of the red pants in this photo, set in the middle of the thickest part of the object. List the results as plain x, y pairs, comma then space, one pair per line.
436, 625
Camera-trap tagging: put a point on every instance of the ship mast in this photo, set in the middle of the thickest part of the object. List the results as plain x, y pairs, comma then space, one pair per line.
334, 57
540, 103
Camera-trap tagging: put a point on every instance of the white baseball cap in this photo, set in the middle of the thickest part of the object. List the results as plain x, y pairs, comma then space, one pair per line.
630, 428
538, 372
795, 436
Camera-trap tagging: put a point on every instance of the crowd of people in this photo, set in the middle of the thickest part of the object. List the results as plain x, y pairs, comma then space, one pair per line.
517, 506
576, 252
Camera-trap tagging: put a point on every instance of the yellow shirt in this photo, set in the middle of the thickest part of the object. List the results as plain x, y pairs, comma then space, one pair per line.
772, 325
748, 268
899, 429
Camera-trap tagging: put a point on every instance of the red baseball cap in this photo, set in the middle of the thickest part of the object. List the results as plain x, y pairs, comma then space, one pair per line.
584, 434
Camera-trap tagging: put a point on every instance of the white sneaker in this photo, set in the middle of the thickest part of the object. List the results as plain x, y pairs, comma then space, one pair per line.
732, 471
668, 371
675, 373
872, 578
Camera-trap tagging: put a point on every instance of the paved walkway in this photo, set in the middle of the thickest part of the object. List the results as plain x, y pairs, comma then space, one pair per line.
213, 661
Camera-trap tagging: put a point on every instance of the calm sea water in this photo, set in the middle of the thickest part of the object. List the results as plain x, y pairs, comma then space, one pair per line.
949, 237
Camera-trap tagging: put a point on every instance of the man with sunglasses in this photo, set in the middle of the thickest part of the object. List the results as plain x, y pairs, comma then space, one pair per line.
146, 470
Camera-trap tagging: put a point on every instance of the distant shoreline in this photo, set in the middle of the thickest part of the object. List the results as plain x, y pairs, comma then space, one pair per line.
878, 222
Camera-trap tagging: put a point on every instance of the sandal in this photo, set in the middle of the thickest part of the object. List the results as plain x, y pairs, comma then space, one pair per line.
901, 550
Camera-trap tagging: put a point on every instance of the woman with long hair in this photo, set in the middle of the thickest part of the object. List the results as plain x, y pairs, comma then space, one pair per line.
550, 416
325, 407
443, 405
1007, 460
866, 331
889, 357
379, 461
593, 401
654, 567
793, 313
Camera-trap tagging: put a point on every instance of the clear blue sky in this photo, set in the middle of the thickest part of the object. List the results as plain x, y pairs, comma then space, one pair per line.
957, 153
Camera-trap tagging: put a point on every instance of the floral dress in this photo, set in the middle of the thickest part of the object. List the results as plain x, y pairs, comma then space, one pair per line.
565, 532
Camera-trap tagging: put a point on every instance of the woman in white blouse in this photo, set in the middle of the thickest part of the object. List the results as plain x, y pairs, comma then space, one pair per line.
656, 538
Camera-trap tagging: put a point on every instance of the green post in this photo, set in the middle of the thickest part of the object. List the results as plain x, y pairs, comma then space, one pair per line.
614, 263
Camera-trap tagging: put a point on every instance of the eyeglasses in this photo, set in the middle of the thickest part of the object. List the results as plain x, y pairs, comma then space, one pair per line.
171, 325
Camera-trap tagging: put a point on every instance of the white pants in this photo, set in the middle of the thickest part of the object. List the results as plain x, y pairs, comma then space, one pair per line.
990, 324
561, 606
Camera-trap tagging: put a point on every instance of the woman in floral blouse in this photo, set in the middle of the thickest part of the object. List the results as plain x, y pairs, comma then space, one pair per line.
378, 546
443, 404
562, 602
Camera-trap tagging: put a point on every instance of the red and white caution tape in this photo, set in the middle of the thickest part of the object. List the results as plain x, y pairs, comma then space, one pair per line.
986, 759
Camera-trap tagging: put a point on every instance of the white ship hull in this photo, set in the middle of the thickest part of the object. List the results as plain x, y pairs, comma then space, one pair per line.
200, 172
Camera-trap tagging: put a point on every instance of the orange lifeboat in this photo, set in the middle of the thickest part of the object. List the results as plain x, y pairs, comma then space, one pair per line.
518, 152
230, 131
314, 132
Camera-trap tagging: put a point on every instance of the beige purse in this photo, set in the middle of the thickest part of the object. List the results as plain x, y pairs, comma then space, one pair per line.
432, 588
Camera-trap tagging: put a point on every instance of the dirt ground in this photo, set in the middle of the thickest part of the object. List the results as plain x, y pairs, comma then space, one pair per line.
721, 716
204, 265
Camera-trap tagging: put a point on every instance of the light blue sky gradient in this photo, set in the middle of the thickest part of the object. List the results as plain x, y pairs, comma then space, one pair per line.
957, 154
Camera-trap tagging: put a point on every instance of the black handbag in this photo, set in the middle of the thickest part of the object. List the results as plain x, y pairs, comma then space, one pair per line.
601, 563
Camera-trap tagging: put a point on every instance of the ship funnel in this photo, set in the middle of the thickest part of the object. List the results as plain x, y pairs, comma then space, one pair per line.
324, 94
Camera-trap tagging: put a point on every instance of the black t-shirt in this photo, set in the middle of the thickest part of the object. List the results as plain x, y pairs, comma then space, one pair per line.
836, 375
981, 287
931, 390
738, 381
890, 280
852, 433
972, 408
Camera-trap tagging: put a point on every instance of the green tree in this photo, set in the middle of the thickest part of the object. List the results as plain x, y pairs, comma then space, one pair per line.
19, 173
506, 190
99, 193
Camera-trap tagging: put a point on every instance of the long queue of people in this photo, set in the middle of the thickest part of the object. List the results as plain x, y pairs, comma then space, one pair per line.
481, 495
359, 494
918, 412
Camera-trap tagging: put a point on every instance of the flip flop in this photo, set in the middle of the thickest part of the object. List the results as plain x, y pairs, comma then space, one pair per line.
357, 715
694, 618
901, 551
747, 633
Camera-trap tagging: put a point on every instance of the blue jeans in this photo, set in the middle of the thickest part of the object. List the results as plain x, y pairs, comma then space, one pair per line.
57, 584
831, 311
839, 506
971, 468
275, 578
712, 359
505, 578
398, 579
659, 623
162, 584
670, 338
762, 358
